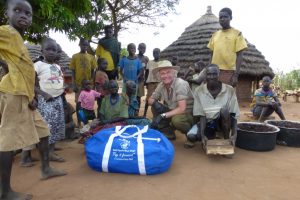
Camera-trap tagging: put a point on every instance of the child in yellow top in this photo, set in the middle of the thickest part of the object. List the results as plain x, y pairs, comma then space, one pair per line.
21, 124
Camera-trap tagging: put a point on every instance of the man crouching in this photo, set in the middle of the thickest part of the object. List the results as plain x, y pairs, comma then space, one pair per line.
216, 105
176, 112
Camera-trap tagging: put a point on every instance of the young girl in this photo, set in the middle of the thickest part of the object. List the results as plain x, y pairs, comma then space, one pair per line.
87, 99
51, 89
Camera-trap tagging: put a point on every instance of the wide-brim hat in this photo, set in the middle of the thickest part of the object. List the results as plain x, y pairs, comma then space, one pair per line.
164, 64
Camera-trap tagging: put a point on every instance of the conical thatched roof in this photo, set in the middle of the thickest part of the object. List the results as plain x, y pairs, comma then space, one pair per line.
35, 52
190, 47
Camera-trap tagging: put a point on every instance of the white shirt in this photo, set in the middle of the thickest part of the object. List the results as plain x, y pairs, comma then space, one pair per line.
50, 78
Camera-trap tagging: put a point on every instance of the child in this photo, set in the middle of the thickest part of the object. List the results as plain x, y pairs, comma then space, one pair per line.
87, 100
24, 127
51, 90
101, 81
194, 80
265, 101
82, 66
131, 67
141, 82
133, 104
151, 80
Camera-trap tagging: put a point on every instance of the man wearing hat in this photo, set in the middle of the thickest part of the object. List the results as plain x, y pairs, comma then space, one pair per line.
176, 111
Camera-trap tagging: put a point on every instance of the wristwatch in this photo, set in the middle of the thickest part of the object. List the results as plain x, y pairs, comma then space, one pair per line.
164, 115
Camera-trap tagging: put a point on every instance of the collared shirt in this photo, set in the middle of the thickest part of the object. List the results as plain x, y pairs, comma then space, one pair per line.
206, 105
225, 44
179, 90
151, 77
21, 76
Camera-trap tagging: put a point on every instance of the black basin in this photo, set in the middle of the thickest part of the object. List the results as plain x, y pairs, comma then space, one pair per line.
256, 136
289, 134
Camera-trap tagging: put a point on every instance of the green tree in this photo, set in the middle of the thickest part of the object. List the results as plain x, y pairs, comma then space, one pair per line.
76, 18
143, 12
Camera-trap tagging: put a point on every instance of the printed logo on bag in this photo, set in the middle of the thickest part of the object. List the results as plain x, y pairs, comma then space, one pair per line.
125, 144
123, 152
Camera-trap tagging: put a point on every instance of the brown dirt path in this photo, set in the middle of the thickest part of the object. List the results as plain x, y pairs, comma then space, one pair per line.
193, 175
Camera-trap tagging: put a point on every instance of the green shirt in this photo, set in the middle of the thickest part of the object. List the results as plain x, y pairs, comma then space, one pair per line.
111, 111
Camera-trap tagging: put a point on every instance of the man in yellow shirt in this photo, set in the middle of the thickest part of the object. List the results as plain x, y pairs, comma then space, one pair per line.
227, 47
109, 49
21, 124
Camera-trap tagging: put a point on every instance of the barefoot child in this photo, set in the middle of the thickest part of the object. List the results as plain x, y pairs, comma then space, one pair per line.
101, 81
130, 67
87, 99
21, 124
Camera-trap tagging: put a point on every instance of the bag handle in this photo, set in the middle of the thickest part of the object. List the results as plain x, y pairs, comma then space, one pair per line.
120, 131
140, 147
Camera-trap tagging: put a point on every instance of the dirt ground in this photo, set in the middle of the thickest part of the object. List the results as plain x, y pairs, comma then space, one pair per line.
193, 175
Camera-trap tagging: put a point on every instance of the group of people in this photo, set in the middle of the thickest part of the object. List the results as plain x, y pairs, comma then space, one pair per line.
35, 113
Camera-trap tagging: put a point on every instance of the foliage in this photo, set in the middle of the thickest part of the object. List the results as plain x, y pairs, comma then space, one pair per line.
84, 18
71, 17
289, 81
142, 12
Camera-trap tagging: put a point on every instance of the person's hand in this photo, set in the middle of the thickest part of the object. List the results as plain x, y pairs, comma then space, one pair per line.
33, 104
234, 80
48, 97
95, 123
156, 122
232, 139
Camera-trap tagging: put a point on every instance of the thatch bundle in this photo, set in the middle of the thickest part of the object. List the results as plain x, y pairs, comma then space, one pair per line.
35, 52
191, 47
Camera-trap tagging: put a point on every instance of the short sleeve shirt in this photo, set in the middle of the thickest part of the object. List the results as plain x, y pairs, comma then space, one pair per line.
225, 44
21, 76
206, 105
87, 99
102, 53
83, 64
264, 96
130, 68
180, 90
50, 78
112, 110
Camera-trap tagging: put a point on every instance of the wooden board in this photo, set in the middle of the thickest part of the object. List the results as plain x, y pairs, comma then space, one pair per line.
219, 147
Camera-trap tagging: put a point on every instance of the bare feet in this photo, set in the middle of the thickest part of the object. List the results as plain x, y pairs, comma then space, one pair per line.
51, 173
16, 196
26, 164
55, 158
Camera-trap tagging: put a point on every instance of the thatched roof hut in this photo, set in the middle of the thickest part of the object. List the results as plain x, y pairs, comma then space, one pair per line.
35, 52
191, 47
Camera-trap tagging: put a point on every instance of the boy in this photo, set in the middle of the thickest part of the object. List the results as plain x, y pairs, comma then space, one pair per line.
151, 80
227, 53
130, 67
194, 80
101, 81
17, 91
109, 49
144, 59
82, 66
265, 101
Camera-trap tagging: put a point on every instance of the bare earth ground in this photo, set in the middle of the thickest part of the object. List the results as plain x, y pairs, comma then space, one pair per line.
193, 175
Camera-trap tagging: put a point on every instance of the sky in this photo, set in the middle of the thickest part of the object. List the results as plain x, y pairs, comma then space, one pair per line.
272, 26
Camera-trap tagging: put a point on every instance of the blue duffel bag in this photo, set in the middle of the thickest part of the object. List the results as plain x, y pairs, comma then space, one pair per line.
129, 149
